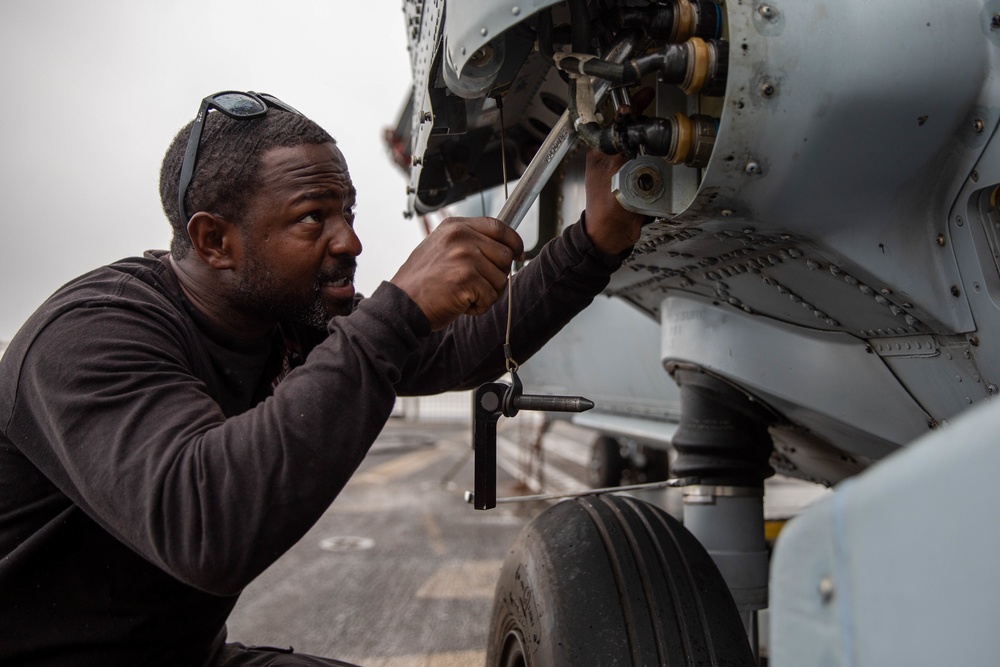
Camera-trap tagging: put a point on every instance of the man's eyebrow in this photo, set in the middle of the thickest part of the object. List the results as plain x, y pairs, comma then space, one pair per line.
325, 193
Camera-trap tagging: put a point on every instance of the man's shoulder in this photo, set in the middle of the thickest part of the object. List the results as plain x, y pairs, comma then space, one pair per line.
141, 287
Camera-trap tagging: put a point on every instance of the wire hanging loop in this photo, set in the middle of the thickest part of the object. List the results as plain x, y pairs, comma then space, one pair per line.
509, 362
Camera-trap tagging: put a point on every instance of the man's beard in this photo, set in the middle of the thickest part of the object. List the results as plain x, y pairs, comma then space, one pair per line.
259, 294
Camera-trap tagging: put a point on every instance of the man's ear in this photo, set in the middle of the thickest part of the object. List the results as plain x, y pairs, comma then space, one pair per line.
216, 240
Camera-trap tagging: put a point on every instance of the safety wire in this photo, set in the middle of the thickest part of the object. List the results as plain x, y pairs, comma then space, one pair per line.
511, 365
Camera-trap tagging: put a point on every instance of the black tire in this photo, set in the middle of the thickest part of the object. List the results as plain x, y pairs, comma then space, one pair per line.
611, 580
606, 463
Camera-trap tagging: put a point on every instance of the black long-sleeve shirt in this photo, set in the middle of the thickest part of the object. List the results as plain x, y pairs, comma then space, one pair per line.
150, 468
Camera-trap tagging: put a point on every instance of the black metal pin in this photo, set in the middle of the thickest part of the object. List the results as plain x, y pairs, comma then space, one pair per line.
492, 400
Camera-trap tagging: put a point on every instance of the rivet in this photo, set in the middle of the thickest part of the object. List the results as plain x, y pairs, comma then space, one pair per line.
726, 212
767, 12
955, 291
992, 388
752, 168
767, 89
995, 22
835, 270
426, 117
416, 160
483, 31
826, 589
959, 221
940, 240
974, 340
515, 10
975, 176
911, 320
866, 290
978, 125
410, 189
851, 280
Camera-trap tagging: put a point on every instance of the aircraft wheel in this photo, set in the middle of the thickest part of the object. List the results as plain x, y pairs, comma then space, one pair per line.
611, 580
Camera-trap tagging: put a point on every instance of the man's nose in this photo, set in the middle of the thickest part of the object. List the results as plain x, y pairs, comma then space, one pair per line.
344, 242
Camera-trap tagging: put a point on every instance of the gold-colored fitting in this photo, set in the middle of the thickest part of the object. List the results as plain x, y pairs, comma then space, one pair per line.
693, 140
699, 65
685, 21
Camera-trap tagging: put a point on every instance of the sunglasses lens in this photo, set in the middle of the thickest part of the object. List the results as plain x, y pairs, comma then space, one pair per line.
238, 104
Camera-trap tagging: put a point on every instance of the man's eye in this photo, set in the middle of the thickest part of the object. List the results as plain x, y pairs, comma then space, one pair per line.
312, 218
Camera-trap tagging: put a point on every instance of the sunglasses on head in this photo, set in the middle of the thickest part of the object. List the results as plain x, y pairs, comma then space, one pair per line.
237, 105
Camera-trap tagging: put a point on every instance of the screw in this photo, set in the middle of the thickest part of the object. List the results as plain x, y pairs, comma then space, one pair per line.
515, 10
826, 589
978, 125
940, 240
752, 168
767, 12
992, 388
995, 22
426, 117
416, 161
955, 291
410, 189
975, 176
767, 89
483, 31
726, 212
959, 221
974, 340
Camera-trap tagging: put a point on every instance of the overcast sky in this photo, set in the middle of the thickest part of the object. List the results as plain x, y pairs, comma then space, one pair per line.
94, 92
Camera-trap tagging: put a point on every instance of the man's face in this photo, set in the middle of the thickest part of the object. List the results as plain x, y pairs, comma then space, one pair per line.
299, 245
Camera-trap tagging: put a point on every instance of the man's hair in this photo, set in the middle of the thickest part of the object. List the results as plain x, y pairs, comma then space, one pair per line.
227, 172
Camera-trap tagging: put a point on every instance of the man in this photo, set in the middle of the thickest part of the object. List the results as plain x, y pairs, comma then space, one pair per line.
171, 424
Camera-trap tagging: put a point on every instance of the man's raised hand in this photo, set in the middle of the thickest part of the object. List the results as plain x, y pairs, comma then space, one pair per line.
460, 268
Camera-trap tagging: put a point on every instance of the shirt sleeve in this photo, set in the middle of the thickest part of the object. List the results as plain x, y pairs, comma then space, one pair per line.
109, 408
548, 292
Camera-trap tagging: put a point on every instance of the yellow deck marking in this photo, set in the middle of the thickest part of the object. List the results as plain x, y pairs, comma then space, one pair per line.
434, 534
450, 659
465, 580
401, 466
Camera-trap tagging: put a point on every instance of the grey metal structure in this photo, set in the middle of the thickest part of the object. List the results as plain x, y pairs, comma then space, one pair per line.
826, 242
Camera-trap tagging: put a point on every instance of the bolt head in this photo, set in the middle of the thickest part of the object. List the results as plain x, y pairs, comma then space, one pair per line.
826, 589
753, 167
